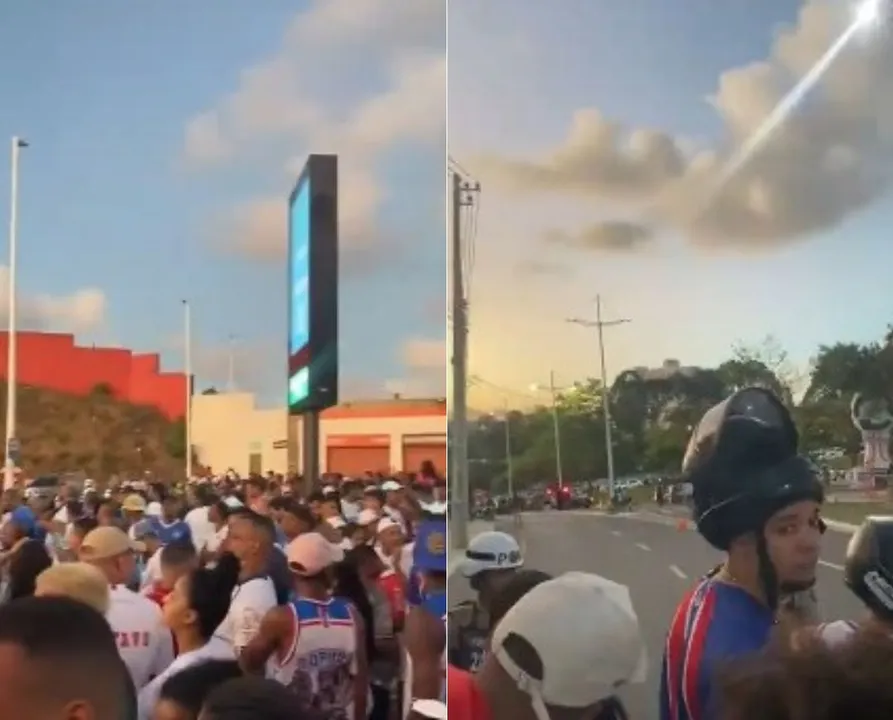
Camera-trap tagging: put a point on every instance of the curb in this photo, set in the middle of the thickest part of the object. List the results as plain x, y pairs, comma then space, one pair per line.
838, 526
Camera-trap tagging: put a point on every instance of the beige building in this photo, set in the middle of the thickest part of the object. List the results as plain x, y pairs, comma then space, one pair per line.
229, 431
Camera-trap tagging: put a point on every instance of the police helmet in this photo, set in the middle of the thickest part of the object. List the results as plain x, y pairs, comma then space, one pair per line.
743, 466
491, 550
868, 568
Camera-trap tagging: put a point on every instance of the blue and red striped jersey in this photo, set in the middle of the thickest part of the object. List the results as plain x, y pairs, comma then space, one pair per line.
715, 622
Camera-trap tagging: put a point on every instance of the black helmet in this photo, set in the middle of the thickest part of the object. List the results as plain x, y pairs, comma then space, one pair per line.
743, 466
868, 568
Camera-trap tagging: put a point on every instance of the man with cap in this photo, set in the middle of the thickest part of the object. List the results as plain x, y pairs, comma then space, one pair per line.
394, 494
144, 642
756, 499
543, 664
425, 630
133, 507
491, 560
315, 645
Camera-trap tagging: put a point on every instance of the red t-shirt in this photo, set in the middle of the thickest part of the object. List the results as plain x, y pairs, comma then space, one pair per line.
157, 593
464, 700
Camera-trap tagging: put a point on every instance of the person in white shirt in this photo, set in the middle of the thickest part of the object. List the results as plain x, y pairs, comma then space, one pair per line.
199, 521
389, 542
145, 644
351, 500
251, 539
393, 498
193, 612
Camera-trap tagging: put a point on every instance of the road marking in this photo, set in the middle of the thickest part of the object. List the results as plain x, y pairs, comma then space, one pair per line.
616, 533
677, 572
833, 566
643, 546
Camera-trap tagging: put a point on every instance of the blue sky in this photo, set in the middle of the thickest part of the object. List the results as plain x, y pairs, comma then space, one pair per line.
124, 190
805, 257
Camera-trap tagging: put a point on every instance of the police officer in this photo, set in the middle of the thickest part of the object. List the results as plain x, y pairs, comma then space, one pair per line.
490, 561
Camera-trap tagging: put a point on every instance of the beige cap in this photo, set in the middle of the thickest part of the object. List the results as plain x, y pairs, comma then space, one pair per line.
108, 542
310, 554
76, 580
134, 503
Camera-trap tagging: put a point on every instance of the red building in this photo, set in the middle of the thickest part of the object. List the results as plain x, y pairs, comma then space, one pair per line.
53, 361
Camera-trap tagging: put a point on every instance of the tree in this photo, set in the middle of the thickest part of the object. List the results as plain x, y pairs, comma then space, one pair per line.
654, 413
175, 439
210, 391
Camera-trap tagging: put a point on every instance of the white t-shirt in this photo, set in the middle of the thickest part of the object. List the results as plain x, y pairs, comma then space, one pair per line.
250, 602
61, 516
216, 540
215, 649
152, 571
350, 510
144, 643
202, 528
397, 517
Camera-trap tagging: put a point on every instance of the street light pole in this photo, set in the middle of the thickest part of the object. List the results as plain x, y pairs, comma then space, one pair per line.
187, 361
556, 428
11, 337
599, 324
508, 455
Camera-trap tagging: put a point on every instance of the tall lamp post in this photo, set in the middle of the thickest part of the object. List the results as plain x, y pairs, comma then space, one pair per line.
12, 444
556, 430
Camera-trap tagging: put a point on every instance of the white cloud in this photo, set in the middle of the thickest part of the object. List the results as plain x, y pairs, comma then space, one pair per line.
82, 311
424, 362
254, 364
282, 109
829, 159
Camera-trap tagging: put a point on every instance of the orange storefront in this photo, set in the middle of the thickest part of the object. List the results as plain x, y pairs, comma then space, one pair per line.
384, 435
355, 437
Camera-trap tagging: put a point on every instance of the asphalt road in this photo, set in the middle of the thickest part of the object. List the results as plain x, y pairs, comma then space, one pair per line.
658, 561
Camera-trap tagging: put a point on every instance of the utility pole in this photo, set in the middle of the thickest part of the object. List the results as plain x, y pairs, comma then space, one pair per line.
462, 196
599, 324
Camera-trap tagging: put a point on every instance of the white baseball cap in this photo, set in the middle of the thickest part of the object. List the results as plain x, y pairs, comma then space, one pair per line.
391, 486
386, 524
586, 633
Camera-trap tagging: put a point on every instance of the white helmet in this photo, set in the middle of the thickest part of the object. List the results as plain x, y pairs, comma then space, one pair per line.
491, 550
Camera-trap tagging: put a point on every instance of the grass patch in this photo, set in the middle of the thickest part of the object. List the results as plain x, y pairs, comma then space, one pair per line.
855, 512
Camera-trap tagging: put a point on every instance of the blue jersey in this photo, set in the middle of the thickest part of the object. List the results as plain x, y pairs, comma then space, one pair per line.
414, 588
436, 604
168, 533
714, 623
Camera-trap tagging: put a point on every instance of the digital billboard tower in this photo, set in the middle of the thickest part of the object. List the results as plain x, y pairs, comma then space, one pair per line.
313, 300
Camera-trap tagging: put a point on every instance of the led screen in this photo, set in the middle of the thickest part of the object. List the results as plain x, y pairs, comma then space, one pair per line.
299, 276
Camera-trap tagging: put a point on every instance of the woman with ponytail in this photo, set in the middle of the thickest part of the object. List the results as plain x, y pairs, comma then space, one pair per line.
195, 609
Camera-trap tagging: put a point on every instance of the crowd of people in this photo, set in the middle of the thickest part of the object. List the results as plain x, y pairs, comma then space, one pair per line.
745, 642
226, 598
